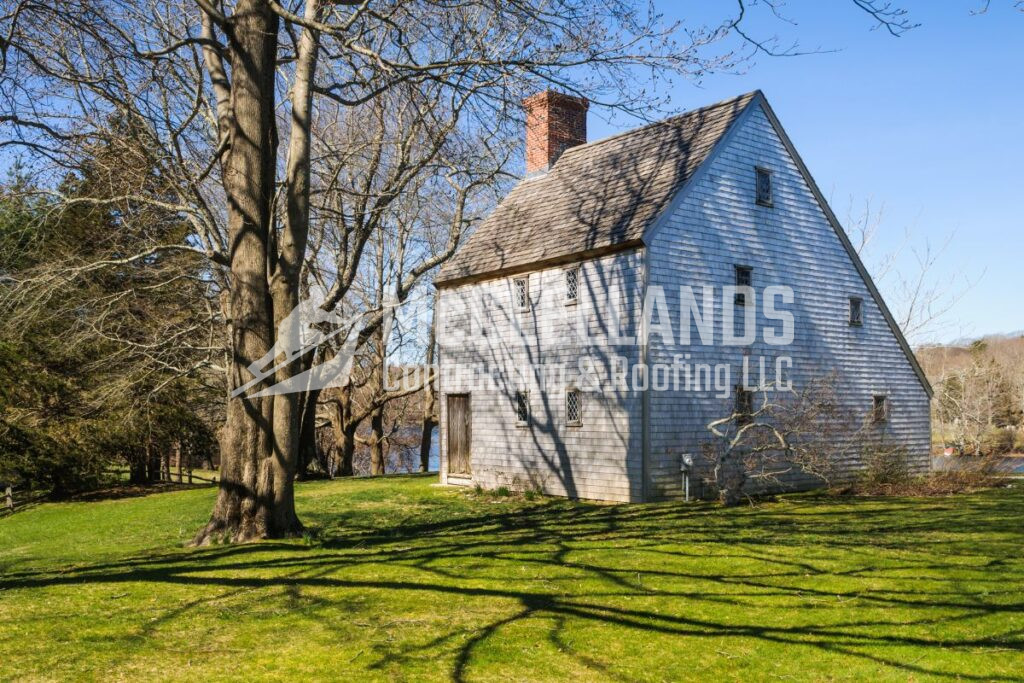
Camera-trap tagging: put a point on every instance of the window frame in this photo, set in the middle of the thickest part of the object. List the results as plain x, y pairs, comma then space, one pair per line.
856, 303
579, 407
525, 306
743, 405
522, 421
879, 401
762, 172
575, 271
740, 299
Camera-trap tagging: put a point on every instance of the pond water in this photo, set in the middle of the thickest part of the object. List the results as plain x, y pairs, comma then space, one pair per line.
1010, 465
435, 451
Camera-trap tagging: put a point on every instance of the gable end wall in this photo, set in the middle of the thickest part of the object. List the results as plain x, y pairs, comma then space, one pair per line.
716, 226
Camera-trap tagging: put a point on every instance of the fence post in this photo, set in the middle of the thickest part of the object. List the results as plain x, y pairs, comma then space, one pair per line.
9, 498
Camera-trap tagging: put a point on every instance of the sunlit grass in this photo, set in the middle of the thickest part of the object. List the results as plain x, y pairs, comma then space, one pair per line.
403, 580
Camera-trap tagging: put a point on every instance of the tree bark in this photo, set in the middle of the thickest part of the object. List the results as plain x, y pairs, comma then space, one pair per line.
307, 431
255, 498
284, 285
347, 451
344, 430
377, 454
429, 400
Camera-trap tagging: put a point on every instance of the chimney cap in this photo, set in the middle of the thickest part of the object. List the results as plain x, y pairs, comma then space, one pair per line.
549, 96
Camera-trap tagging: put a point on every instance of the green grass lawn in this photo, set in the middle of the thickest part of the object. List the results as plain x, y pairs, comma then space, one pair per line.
402, 580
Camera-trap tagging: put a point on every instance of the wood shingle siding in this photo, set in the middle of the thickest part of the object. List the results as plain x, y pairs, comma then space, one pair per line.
598, 459
718, 224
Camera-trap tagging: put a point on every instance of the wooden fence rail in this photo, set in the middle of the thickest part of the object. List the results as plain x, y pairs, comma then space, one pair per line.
11, 502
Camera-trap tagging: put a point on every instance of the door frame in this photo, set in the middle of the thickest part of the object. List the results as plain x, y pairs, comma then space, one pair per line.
462, 476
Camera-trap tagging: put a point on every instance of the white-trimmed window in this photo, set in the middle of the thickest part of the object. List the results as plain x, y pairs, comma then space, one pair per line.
521, 293
764, 186
572, 285
522, 407
573, 407
879, 408
856, 311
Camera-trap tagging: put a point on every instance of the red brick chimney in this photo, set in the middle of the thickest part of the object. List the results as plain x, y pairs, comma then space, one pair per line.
554, 123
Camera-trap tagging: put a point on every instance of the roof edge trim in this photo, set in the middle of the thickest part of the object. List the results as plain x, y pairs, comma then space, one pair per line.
541, 264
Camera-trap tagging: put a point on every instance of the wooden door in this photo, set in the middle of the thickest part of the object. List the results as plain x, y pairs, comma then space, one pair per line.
459, 420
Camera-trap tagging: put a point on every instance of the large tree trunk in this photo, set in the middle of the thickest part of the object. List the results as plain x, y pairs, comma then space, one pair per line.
255, 499
347, 450
284, 286
344, 430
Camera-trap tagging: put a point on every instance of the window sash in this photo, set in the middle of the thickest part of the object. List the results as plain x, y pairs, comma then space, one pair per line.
744, 407
521, 293
763, 186
573, 407
572, 285
856, 311
744, 278
522, 407
880, 408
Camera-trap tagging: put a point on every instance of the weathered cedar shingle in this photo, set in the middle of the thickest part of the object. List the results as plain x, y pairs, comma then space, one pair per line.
596, 196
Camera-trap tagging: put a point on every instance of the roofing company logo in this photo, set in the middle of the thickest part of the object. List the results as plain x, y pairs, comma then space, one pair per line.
309, 328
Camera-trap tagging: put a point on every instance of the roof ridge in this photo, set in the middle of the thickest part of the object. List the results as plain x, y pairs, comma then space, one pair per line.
662, 122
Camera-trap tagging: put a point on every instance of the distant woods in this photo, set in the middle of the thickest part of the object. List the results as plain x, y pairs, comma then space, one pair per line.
978, 408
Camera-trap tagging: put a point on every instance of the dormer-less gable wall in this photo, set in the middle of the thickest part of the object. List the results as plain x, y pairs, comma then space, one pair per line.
719, 225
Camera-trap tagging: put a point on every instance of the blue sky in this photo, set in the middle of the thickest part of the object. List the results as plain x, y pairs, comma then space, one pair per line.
928, 125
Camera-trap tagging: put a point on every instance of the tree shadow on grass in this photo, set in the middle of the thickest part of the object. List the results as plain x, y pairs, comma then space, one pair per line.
636, 569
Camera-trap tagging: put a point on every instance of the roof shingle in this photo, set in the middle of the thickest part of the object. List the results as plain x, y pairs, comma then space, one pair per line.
597, 196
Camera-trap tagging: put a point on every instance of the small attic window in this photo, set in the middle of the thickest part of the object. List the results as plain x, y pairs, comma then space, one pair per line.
856, 311
764, 186
521, 293
572, 285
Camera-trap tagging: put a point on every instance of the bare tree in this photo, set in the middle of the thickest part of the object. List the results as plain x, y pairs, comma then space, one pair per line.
777, 432
922, 295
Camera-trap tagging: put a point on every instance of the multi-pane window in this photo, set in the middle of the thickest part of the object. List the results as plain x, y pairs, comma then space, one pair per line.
764, 186
573, 407
522, 407
744, 408
856, 311
744, 278
572, 285
880, 409
521, 293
